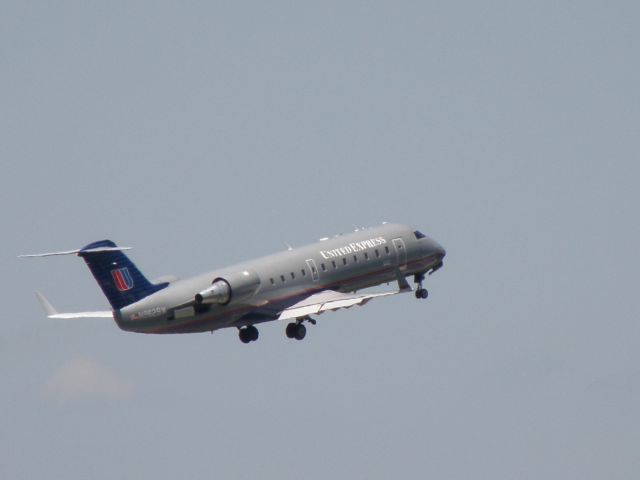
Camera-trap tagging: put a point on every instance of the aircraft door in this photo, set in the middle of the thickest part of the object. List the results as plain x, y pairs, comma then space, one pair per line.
401, 253
311, 263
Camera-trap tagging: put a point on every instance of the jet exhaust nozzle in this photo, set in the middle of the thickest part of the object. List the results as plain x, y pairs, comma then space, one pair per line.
218, 292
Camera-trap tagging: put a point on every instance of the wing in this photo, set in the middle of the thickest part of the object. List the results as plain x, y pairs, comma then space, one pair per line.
329, 300
52, 313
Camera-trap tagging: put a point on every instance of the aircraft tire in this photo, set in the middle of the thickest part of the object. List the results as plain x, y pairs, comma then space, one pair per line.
291, 330
243, 334
253, 333
422, 293
301, 331
248, 334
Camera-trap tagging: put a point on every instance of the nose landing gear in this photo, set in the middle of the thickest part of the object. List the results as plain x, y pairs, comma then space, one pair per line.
421, 293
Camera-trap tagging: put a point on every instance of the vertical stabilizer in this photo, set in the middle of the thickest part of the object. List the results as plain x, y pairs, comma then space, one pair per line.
118, 277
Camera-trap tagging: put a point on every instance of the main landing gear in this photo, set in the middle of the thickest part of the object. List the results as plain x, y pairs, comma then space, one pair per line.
297, 329
248, 334
421, 293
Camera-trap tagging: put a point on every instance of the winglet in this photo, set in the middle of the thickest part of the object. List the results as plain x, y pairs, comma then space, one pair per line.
46, 305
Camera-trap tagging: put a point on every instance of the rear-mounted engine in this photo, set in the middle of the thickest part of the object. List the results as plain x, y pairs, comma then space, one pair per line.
234, 287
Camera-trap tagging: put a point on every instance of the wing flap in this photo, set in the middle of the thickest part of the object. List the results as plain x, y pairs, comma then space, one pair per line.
299, 312
329, 300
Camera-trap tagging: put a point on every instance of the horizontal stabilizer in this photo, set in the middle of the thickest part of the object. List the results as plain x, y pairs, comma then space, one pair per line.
74, 252
52, 313
328, 300
68, 316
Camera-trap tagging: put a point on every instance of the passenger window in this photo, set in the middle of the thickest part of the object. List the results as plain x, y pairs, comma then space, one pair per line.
324, 268
303, 272
366, 256
386, 249
293, 276
377, 253
344, 261
272, 281
333, 262
355, 258
282, 278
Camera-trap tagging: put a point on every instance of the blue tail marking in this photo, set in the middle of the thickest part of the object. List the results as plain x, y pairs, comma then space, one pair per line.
118, 277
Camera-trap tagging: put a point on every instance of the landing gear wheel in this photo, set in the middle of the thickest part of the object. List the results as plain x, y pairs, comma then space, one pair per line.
244, 337
253, 333
248, 334
422, 293
291, 330
301, 331
296, 330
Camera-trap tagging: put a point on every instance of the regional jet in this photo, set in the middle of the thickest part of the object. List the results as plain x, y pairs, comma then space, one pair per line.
290, 286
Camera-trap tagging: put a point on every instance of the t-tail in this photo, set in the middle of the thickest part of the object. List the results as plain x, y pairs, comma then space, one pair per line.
118, 277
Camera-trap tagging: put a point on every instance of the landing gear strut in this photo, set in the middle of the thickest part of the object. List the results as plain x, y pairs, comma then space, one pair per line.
297, 329
420, 291
248, 334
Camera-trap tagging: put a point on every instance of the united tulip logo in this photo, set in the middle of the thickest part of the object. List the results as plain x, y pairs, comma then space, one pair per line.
122, 279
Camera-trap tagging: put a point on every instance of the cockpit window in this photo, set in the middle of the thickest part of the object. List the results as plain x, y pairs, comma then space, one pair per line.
419, 234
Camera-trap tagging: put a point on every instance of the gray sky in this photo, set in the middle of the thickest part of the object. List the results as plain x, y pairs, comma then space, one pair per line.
211, 133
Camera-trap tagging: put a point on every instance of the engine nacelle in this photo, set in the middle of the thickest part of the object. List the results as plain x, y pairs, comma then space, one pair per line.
234, 287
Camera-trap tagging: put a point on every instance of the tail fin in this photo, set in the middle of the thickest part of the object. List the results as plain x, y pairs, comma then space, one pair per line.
119, 279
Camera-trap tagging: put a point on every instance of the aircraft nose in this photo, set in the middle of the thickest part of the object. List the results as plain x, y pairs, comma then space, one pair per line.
437, 249
440, 251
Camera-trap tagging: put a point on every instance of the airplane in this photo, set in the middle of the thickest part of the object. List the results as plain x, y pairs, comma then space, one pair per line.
291, 285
